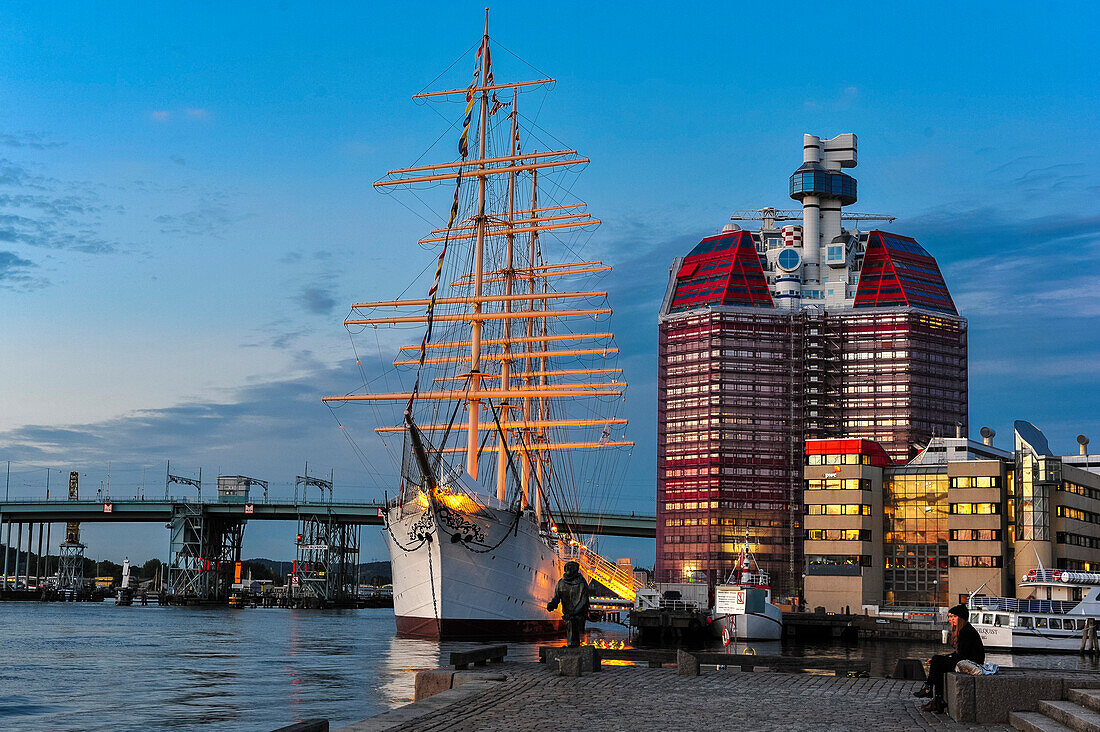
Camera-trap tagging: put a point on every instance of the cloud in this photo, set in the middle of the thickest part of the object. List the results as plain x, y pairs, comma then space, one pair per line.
46, 234
317, 300
15, 273
998, 266
46, 213
206, 220
29, 140
842, 101
267, 428
166, 115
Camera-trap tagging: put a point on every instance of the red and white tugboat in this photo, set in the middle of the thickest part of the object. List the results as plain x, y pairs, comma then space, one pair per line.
743, 605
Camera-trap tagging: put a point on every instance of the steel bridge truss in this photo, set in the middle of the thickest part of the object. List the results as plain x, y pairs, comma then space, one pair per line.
327, 565
70, 568
202, 554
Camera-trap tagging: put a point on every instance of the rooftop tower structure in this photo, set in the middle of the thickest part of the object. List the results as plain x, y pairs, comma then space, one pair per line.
809, 329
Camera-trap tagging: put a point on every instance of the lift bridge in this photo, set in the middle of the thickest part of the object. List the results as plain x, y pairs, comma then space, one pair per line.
206, 536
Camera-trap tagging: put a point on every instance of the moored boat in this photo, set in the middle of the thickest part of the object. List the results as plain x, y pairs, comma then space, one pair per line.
743, 609
1055, 622
507, 380
125, 594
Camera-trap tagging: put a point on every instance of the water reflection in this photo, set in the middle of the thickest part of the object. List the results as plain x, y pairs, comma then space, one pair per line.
99, 667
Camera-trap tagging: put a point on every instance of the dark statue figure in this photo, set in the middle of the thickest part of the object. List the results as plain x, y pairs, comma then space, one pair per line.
572, 593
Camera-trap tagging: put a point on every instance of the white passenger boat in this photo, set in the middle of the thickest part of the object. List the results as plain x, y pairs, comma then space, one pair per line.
743, 605
1055, 623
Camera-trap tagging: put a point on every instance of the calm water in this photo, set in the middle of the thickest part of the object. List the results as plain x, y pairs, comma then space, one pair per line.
96, 666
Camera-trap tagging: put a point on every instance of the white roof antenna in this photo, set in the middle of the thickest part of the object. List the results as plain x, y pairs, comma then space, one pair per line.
1040, 561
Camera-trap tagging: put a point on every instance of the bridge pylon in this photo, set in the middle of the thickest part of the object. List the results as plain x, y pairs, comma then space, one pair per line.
202, 553
326, 568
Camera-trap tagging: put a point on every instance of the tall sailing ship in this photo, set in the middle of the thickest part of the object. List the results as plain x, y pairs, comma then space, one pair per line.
514, 394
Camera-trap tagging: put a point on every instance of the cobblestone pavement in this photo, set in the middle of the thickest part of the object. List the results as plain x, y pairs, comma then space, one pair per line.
637, 698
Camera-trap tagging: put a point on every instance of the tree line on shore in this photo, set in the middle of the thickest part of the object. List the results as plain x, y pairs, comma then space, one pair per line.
372, 573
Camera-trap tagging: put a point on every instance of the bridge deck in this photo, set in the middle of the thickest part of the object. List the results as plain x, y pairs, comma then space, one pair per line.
131, 510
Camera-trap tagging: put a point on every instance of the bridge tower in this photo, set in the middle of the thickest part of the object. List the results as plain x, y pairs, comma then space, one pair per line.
202, 554
204, 548
326, 567
70, 568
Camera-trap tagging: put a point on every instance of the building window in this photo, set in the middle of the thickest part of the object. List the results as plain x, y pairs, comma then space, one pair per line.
967, 509
1078, 514
975, 535
976, 561
838, 534
839, 560
1093, 493
839, 484
1065, 537
838, 509
981, 481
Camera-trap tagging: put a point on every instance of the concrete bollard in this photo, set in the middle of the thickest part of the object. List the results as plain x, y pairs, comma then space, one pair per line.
430, 682
909, 669
590, 660
569, 665
686, 664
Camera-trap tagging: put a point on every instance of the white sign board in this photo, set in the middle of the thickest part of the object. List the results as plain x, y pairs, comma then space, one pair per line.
249, 508
729, 601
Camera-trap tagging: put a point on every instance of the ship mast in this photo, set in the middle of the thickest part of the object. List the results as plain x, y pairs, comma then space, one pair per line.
542, 367
520, 390
525, 484
506, 346
474, 403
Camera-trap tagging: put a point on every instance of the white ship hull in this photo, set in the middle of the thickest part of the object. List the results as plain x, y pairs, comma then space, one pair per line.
767, 625
483, 574
1012, 624
1023, 639
1032, 631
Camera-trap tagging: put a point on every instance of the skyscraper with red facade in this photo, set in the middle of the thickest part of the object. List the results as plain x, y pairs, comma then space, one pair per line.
771, 337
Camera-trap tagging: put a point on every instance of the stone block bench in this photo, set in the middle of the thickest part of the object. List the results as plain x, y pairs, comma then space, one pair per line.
991, 699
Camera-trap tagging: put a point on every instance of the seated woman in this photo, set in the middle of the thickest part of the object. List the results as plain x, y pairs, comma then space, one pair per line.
968, 646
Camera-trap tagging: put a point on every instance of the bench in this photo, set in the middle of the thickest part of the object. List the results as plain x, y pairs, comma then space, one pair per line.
990, 699
788, 664
479, 656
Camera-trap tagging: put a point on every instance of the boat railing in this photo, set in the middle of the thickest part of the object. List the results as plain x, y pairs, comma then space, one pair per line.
1017, 605
760, 578
1060, 576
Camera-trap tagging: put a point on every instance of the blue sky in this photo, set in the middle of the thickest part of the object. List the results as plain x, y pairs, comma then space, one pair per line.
186, 208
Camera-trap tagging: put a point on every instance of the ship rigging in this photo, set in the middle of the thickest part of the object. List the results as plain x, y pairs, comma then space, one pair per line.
512, 376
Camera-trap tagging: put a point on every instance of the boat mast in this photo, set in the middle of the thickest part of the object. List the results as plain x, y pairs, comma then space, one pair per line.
474, 403
506, 336
532, 306
544, 363
525, 458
